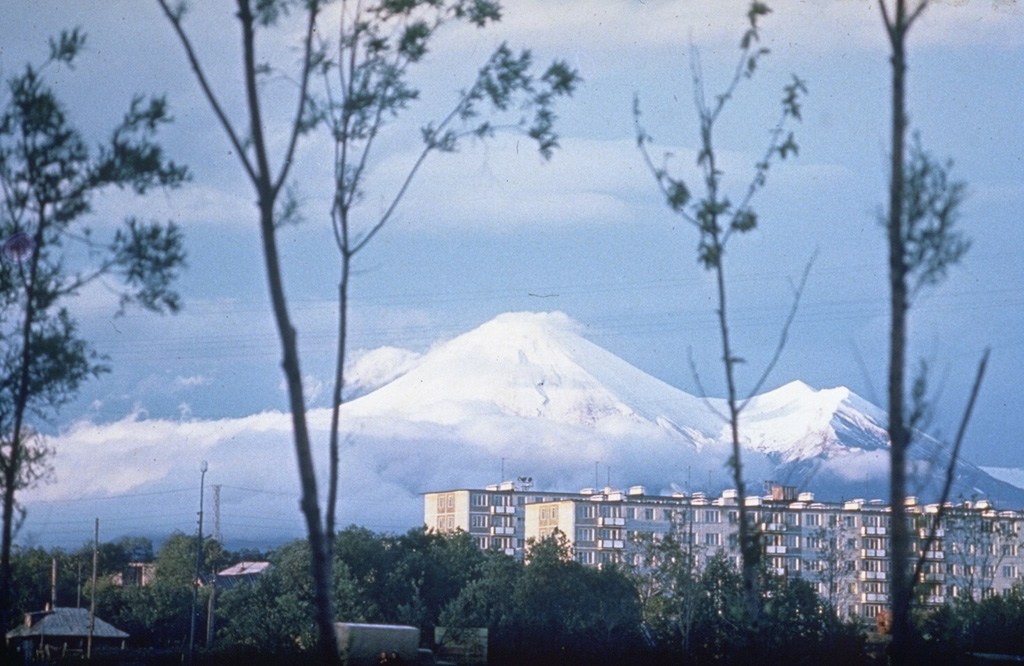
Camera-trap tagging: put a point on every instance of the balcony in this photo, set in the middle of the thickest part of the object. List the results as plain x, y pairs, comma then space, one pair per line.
775, 550
773, 527
873, 552
934, 555
605, 521
872, 575
503, 531
873, 597
924, 533
873, 531
610, 543
503, 510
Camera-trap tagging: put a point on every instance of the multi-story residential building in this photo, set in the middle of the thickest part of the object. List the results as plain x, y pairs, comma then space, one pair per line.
841, 548
493, 516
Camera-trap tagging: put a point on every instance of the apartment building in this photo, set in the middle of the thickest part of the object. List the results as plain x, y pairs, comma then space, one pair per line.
492, 516
841, 548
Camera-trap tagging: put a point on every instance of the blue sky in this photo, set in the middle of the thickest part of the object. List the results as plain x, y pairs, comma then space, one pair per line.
495, 229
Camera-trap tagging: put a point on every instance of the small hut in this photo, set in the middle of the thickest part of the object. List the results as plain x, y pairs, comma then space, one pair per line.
62, 632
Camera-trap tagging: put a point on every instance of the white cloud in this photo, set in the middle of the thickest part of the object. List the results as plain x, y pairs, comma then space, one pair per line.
191, 381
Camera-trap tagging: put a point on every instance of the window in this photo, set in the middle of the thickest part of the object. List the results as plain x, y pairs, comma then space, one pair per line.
554, 513
440, 503
1009, 571
585, 534
479, 499
648, 514
587, 511
451, 522
793, 518
451, 502
712, 516
812, 520
713, 539
734, 517
478, 520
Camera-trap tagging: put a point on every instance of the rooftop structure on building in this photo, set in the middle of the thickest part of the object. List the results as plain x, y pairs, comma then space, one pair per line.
841, 548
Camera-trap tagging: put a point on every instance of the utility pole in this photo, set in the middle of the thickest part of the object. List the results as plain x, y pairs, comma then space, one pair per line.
199, 563
210, 608
92, 599
53, 582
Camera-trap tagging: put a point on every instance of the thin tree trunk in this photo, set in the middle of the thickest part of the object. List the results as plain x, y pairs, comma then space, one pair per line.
14, 460
321, 562
338, 397
748, 546
900, 589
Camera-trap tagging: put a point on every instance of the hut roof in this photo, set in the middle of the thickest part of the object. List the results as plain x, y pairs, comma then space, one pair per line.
64, 622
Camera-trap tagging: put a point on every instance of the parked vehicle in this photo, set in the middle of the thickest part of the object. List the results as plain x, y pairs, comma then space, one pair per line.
374, 644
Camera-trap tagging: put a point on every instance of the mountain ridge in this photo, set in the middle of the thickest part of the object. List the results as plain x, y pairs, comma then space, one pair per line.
539, 367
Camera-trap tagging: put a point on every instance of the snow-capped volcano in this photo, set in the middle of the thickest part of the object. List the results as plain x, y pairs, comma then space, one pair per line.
522, 395
530, 365
570, 401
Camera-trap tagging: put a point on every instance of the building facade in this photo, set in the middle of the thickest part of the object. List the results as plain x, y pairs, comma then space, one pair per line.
841, 548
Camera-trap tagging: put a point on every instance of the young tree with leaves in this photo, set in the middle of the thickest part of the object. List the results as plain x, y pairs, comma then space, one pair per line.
48, 177
367, 85
268, 178
377, 43
924, 243
717, 218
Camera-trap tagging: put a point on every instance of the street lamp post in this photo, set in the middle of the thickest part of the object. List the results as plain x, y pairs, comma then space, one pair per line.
199, 563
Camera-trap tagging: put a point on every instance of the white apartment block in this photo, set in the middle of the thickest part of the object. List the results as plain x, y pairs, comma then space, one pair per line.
842, 548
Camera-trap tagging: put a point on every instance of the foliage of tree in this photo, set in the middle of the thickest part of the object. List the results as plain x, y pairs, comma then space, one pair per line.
552, 610
48, 178
990, 626
664, 571
275, 615
717, 217
795, 625
158, 615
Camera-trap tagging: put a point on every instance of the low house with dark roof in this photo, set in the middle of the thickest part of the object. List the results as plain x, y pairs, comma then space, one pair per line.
61, 632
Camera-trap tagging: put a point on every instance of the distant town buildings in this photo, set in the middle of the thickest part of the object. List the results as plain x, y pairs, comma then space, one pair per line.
841, 548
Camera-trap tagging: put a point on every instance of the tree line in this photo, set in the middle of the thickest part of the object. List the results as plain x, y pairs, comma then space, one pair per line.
548, 609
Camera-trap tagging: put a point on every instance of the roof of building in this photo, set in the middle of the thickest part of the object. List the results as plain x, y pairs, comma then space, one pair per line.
245, 569
64, 622
242, 573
